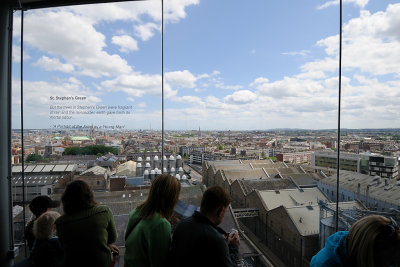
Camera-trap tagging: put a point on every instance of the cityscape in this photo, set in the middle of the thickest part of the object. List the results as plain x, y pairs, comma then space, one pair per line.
269, 174
295, 118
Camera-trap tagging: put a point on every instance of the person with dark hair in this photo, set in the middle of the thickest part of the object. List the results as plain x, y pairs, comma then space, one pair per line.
371, 242
38, 206
200, 235
86, 230
148, 233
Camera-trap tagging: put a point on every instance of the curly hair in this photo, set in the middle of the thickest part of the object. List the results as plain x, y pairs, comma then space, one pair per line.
43, 226
77, 196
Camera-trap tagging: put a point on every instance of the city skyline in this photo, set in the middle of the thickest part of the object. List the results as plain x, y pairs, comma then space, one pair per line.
228, 66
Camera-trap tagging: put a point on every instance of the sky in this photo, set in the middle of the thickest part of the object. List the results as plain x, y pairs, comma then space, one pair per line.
228, 65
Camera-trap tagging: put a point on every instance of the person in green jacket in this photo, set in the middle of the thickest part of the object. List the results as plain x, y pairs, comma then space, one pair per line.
86, 230
148, 233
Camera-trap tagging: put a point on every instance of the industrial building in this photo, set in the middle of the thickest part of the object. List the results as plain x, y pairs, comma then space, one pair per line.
386, 167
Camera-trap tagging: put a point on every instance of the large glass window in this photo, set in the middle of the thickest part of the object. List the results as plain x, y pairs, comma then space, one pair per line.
250, 87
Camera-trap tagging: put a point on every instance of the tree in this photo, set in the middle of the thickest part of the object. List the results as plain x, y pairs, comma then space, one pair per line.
90, 150
220, 147
263, 155
33, 157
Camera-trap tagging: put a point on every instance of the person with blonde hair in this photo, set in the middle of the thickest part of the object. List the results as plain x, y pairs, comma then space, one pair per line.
46, 251
148, 233
371, 242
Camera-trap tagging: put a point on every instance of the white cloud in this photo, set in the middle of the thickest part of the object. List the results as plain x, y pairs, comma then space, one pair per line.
241, 97
181, 79
259, 80
302, 53
146, 31
174, 10
193, 100
219, 83
371, 43
73, 38
359, 3
290, 87
16, 54
138, 85
37, 99
142, 105
125, 42
52, 64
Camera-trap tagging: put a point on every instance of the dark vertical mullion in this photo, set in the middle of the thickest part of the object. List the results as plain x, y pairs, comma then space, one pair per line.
22, 124
162, 86
339, 108
9, 125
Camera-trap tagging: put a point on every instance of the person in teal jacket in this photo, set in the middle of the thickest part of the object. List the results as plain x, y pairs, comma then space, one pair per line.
86, 230
373, 241
148, 233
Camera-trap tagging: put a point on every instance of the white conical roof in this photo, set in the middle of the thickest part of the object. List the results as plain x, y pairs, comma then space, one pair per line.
178, 176
148, 165
156, 169
178, 157
171, 157
172, 169
139, 165
164, 157
184, 177
165, 170
147, 158
155, 157
180, 169
139, 159
158, 172
146, 172
152, 172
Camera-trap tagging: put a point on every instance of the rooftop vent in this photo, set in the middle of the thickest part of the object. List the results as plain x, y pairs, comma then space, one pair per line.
277, 192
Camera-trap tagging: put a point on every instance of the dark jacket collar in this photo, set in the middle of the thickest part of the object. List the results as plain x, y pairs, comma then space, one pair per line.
203, 219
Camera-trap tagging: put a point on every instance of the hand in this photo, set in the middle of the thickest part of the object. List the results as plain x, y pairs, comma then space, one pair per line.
234, 239
114, 249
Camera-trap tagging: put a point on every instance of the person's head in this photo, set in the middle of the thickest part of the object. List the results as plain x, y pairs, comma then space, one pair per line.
162, 198
214, 203
41, 204
77, 196
374, 241
43, 227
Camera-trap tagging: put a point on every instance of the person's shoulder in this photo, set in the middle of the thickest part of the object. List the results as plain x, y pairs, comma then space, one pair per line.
159, 221
101, 208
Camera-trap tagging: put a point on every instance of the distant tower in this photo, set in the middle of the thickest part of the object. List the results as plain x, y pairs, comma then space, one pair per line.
91, 133
199, 134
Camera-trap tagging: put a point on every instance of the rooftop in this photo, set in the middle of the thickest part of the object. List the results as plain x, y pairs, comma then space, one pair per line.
291, 197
